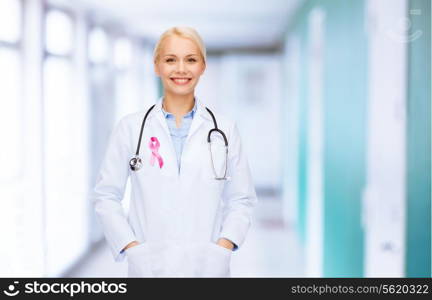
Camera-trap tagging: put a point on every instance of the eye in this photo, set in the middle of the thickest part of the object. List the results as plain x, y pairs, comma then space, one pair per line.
169, 60
192, 60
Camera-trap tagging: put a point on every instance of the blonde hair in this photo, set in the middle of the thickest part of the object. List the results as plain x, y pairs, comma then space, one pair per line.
184, 32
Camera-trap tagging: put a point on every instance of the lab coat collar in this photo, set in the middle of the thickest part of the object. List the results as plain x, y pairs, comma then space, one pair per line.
190, 114
200, 116
200, 108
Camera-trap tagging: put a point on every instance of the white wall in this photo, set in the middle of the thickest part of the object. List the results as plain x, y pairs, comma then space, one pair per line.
316, 138
290, 137
384, 196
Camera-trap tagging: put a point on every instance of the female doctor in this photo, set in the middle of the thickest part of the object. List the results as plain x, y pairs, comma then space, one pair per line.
192, 193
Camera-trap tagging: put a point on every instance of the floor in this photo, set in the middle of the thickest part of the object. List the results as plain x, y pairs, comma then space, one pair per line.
271, 249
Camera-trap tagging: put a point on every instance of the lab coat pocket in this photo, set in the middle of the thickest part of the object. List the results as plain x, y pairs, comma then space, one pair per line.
216, 262
139, 261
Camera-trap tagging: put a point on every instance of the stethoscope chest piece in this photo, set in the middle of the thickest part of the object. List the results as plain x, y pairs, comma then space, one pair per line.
135, 163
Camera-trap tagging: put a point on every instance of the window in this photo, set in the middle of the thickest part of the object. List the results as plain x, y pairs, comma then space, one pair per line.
59, 33
11, 131
10, 21
126, 81
122, 53
10, 77
65, 146
10, 116
98, 46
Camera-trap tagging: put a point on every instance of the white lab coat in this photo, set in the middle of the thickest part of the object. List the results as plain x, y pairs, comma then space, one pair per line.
176, 216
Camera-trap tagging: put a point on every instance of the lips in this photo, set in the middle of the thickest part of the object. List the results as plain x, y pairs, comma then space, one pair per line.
181, 80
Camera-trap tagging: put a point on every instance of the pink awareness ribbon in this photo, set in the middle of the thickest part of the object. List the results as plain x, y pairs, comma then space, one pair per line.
154, 147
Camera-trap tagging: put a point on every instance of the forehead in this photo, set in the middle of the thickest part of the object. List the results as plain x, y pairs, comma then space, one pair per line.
179, 46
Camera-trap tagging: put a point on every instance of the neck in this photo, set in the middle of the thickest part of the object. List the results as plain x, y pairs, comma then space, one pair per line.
178, 105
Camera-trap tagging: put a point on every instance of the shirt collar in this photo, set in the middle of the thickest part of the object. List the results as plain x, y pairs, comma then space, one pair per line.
189, 114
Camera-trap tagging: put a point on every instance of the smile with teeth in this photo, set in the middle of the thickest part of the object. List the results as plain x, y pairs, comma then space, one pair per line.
181, 81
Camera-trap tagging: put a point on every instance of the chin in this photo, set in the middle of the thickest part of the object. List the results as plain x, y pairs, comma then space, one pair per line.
182, 92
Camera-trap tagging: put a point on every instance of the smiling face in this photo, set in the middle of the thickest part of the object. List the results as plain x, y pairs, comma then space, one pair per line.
179, 65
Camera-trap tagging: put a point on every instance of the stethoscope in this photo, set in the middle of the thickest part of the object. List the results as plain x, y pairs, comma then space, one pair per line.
136, 163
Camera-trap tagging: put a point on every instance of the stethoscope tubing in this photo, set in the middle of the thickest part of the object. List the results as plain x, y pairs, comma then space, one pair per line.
135, 162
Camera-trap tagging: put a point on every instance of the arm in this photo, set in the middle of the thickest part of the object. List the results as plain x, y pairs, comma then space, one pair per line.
239, 194
109, 191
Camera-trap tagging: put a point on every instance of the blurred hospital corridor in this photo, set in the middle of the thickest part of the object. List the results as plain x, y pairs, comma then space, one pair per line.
331, 100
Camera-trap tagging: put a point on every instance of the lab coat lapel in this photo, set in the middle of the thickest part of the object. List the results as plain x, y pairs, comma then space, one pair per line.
160, 117
198, 119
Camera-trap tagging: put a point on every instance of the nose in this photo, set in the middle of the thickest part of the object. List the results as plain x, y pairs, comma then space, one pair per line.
181, 66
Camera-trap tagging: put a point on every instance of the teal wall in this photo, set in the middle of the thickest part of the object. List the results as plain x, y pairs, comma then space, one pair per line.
299, 27
345, 86
303, 121
418, 251
345, 94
